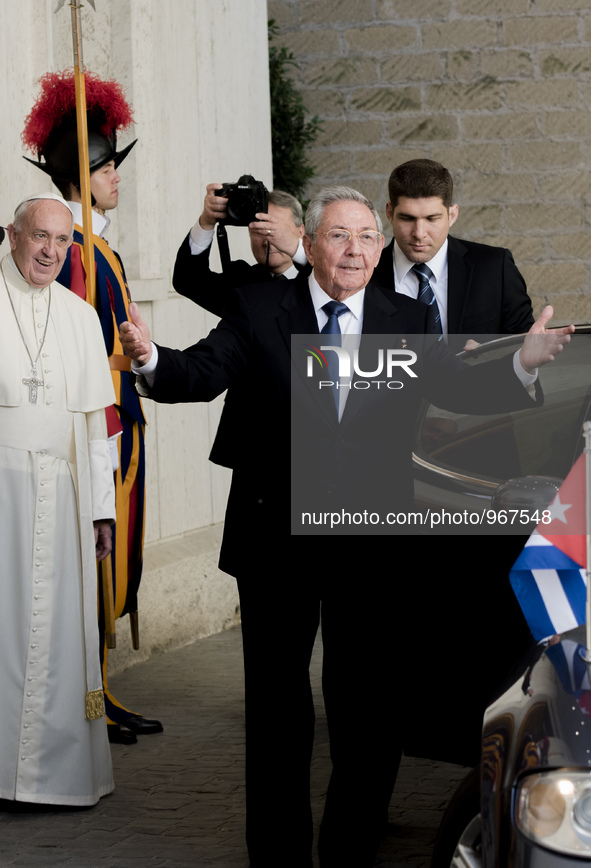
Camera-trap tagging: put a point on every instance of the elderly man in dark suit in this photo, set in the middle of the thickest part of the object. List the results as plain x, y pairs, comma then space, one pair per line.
290, 584
474, 289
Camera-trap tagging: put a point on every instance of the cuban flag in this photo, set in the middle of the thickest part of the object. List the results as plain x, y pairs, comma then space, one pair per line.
549, 576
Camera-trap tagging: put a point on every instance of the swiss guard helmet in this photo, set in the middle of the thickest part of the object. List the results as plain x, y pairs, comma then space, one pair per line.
50, 129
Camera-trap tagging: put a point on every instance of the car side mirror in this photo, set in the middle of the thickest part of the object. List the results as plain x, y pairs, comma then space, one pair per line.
526, 492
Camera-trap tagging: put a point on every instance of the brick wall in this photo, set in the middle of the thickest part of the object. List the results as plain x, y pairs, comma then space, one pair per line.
499, 91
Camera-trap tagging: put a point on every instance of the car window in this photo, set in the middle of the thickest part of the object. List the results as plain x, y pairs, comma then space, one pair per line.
542, 441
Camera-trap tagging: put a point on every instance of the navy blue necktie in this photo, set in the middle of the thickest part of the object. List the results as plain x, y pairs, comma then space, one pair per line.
427, 296
333, 309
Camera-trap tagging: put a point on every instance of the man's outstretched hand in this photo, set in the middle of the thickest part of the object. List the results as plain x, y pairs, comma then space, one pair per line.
135, 337
542, 345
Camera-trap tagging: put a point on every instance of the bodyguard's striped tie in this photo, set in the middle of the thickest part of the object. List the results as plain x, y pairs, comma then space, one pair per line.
426, 294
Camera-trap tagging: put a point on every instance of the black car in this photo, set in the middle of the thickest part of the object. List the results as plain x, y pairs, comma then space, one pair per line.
514, 461
528, 803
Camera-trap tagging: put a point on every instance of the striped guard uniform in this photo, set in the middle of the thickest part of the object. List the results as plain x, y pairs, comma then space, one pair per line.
112, 305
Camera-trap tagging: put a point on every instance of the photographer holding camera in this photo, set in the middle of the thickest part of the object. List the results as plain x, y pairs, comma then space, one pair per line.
275, 240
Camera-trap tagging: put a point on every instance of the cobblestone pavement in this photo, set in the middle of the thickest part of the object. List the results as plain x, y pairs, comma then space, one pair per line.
179, 796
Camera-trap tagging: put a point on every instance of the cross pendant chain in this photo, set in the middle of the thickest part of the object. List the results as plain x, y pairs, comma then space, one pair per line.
33, 382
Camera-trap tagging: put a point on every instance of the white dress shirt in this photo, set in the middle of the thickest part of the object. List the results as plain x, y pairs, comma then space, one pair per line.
351, 324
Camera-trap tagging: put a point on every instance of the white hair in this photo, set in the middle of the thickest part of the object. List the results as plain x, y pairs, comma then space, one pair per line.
329, 195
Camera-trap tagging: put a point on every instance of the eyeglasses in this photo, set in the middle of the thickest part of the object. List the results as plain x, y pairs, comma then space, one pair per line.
341, 237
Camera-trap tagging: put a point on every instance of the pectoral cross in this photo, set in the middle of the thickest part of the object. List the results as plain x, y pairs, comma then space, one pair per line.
33, 382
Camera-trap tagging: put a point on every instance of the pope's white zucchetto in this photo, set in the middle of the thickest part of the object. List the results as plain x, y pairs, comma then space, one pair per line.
51, 196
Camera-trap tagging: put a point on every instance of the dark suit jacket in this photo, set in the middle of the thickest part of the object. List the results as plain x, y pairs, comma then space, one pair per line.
193, 278
486, 293
362, 463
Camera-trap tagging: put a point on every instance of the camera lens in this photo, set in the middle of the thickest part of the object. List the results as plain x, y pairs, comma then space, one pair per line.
241, 207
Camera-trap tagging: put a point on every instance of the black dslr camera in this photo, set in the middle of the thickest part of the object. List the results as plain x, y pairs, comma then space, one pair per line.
245, 198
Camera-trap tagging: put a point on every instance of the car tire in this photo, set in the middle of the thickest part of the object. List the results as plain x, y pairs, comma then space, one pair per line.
459, 838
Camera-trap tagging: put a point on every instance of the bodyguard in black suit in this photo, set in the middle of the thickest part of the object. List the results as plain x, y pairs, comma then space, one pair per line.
289, 585
477, 288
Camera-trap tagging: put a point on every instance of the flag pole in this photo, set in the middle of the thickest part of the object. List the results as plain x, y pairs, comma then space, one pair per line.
105, 568
82, 129
587, 433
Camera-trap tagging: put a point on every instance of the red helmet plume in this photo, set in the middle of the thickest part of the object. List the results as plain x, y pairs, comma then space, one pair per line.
50, 128
107, 108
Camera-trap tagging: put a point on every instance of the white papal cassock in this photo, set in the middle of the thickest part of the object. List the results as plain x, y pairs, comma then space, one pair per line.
55, 479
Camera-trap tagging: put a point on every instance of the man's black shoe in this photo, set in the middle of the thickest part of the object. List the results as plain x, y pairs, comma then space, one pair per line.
120, 736
142, 726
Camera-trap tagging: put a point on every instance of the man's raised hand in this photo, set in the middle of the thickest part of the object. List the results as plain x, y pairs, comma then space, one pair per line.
280, 230
542, 345
215, 208
135, 337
